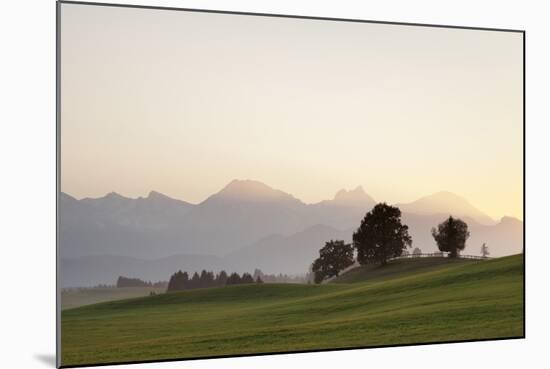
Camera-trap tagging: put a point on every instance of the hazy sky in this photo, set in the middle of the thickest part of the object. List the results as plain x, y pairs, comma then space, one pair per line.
183, 103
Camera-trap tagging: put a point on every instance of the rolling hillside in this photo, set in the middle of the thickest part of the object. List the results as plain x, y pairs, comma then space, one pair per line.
399, 267
447, 302
81, 297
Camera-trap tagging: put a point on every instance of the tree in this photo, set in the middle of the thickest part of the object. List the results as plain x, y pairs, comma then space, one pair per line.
417, 252
131, 282
184, 281
206, 279
259, 280
178, 281
258, 274
485, 250
221, 279
234, 278
247, 278
195, 281
172, 282
381, 235
333, 258
451, 236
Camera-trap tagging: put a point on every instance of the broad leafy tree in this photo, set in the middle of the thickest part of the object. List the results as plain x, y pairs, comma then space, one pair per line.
333, 258
381, 235
451, 236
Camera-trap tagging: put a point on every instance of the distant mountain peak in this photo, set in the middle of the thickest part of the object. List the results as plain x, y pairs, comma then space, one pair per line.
448, 203
246, 189
114, 195
444, 198
160, 198
246, 185
343, 193
357, 196
157, 195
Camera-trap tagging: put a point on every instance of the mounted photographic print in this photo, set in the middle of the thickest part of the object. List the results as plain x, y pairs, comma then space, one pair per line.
238, 184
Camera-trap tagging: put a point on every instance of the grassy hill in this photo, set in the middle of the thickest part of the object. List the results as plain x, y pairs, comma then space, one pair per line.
86, 296
444, 302
398, 267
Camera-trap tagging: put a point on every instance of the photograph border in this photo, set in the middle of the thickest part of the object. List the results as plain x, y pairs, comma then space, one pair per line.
196, 10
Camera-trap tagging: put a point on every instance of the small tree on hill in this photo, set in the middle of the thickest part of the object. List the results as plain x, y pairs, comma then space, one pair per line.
451, 236
381, 235
417, 252
333, 258
485, 250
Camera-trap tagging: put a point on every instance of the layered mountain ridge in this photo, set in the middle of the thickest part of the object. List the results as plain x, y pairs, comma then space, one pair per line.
245, 225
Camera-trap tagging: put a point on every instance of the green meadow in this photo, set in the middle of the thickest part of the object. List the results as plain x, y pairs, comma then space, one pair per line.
87, 296
409, 301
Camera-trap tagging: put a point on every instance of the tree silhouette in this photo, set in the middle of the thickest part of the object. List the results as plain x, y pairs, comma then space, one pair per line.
206, 279
485, 250
131, 282
221, 279
417, 252
451, 236
258, 274
172, 282
195, 281
178, 281
381, 235
333, 258
234, 278
247, 278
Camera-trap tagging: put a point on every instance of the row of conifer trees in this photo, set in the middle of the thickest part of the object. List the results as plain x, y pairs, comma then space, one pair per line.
181, 281
136, 282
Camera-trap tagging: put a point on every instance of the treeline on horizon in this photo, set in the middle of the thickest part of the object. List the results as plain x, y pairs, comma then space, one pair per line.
123, 282
181, 281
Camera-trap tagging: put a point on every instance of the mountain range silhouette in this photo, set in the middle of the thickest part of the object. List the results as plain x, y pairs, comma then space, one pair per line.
245, 225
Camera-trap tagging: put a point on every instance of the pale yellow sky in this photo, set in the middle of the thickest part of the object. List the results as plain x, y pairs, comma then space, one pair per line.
184, 102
